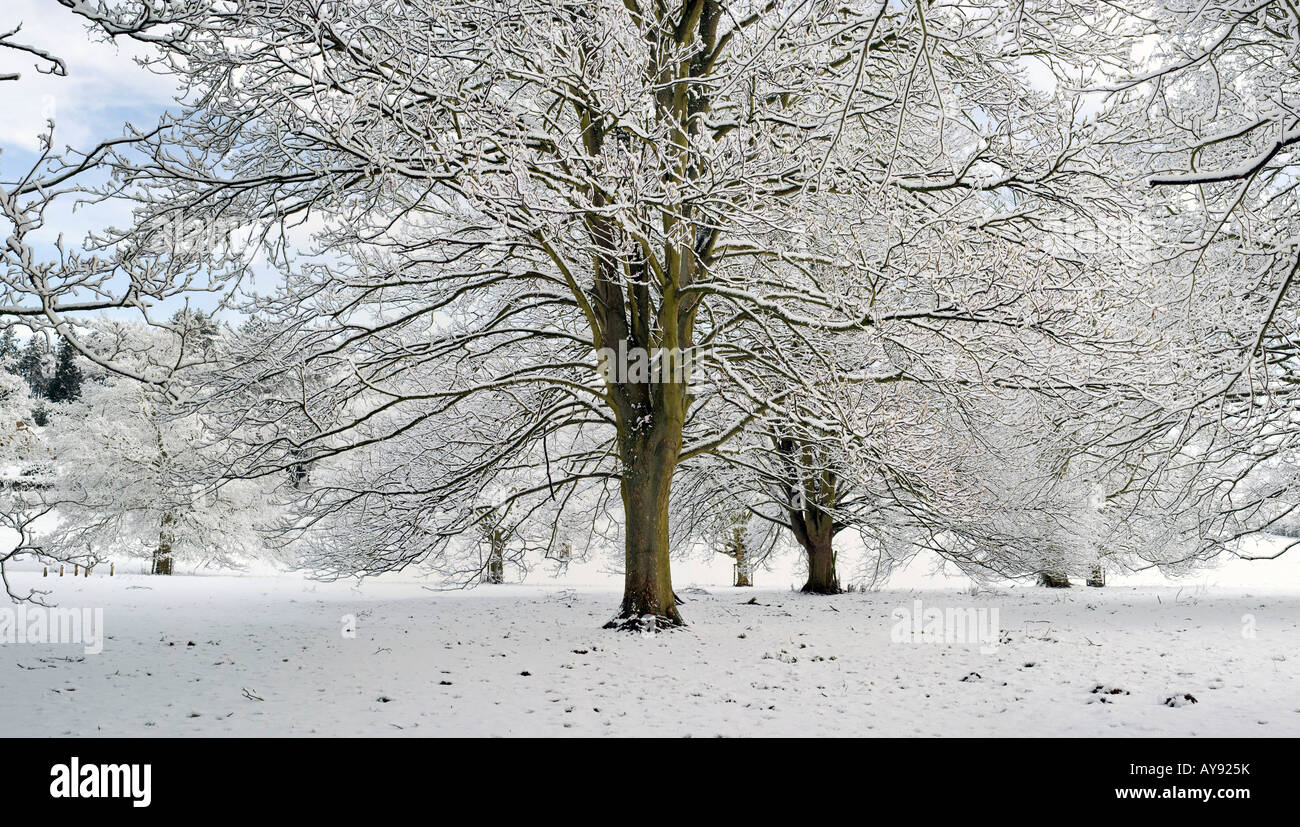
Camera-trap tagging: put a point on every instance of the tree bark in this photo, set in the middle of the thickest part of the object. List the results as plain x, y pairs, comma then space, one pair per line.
742, 561
816, 533
734, 547
1097, 578
649, 457
491, 532
162, 555
1053, 579
496, 568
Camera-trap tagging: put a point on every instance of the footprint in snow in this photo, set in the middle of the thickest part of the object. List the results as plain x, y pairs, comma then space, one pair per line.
1102, 693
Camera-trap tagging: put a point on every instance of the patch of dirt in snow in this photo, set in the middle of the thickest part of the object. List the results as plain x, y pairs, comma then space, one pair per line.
273, 656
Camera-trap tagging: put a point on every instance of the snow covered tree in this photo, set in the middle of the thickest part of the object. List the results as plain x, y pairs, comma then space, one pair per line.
712, 513
495, 196
28, 499
1204, 122
8, 350
505, 191
738, 544
24, 460
132, 478
32, 365
886, 432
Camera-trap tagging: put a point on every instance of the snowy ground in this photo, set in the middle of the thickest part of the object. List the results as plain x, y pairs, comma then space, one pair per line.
262, 655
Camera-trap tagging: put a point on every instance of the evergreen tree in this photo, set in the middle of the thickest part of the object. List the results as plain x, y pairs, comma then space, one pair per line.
31, 366
65, 386
8, 350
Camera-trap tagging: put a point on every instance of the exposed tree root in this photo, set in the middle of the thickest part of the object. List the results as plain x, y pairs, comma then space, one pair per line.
645, 623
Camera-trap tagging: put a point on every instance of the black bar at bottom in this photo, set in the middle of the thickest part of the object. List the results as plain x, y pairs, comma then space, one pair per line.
618, 779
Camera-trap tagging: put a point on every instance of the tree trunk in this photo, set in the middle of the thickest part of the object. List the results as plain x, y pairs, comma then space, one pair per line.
1098, 577
742, 566
816, 534
1053, 579
496, 568
737, 553
649, 458
162, 555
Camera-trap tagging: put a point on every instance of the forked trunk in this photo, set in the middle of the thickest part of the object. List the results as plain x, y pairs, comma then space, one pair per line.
649, 604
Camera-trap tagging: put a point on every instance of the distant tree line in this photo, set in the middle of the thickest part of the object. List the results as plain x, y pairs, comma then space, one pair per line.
52, 374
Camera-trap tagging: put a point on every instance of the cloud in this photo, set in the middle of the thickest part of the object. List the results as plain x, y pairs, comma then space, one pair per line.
104, 87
